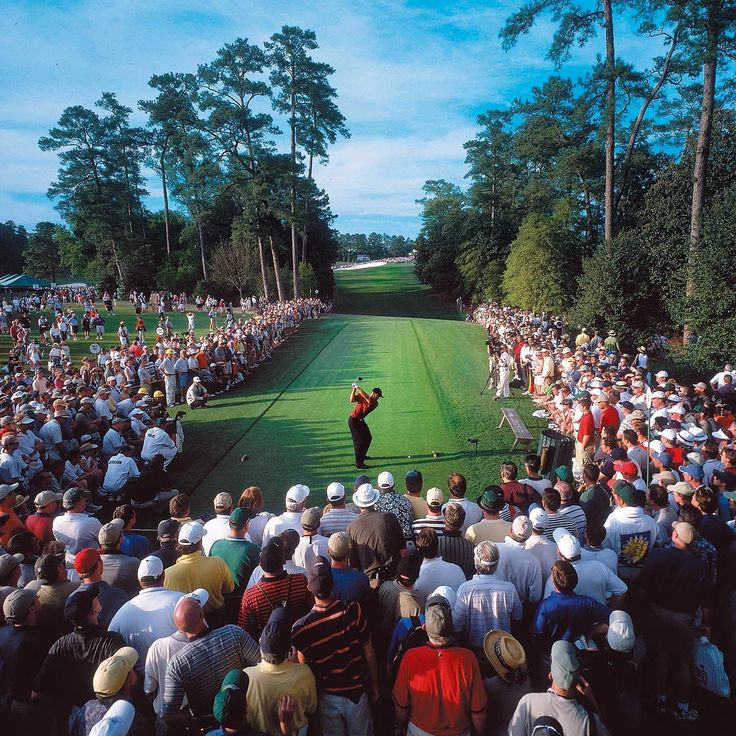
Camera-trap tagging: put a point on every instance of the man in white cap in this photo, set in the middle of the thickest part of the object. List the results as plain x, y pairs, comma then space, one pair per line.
219, 527
376, 537
594, 578
518, 565
296, 498
337, 516
192, 570
117, 721
150, 615
197, 394
538, 544
40, 523
395, 503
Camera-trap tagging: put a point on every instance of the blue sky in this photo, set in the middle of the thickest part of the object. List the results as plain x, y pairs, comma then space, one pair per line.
411, 79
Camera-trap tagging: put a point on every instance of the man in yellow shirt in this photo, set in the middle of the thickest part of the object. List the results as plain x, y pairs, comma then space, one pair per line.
492, 528
193, 570
275, 677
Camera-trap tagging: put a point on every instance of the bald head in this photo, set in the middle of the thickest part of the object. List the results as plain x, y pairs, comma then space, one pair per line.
564, 489
188, 617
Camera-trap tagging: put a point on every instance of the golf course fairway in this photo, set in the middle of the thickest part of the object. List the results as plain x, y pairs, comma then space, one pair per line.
287, 423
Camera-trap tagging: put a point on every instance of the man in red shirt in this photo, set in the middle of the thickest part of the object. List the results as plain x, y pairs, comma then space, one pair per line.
585, 445
438, 687
362, 437
609, 415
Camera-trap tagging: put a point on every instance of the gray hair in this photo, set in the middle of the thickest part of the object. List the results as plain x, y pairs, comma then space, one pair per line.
485, 557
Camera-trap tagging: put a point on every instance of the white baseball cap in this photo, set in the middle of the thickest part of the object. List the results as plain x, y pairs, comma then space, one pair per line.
297, 493
335, 491
538, 518
200, 595
150, 567
620, 636
223, 501
191, 532
568, 545
385, 480
117, 720
435, 497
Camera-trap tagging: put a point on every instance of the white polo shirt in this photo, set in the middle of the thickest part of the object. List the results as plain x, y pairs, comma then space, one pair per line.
309, 549
120, 469
217, 528
112, 442
157, 658
473, 512
278, 524
436, 572
145, 618
76, 531
50, 433
158, 442
522, 569
594, 580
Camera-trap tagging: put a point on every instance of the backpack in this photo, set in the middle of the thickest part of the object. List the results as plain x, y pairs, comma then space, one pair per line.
416, 637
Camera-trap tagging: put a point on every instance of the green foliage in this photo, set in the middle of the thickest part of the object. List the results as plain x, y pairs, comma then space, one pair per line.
41, 255
535, 276
615, 292
375, 246
13, 240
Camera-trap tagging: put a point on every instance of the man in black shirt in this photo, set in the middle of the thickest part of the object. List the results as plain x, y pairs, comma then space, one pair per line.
23, 649
675, 583
70, 665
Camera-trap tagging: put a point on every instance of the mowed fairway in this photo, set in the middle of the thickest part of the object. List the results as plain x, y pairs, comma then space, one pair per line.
288, 422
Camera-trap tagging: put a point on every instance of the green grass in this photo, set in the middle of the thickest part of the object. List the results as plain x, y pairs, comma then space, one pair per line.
290, 416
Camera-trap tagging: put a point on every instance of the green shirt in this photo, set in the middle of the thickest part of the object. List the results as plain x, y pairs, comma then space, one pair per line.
241, 556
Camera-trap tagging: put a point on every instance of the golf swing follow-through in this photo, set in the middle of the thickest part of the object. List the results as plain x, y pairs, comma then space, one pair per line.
364, 404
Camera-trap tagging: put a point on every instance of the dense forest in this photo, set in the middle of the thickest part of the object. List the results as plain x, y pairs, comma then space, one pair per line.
610, 199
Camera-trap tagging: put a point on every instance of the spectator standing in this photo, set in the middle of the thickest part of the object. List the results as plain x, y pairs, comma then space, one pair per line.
349, 584
193, 571
434, 571
118, 570
75, 528
296, 497
458, 486
337, 517
392, 502
333, 639
434, 518
492, 528
311, 544
413, 482
485, 602
219, 527
275, 676
438, 687
452, 544
89, 566
150, 615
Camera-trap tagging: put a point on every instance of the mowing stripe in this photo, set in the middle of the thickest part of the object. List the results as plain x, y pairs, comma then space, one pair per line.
439, 396
268, 407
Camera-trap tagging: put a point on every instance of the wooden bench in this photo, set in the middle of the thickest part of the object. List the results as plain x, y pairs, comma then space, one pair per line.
521, 433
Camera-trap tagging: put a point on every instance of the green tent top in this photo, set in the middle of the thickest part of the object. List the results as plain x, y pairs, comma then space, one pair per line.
22, 281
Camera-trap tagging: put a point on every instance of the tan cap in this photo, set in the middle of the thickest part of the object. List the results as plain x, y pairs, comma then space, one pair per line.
338, 545
111, 674
685, 531
110, 533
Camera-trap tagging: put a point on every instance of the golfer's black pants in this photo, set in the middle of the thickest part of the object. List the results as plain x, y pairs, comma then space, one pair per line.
361, 438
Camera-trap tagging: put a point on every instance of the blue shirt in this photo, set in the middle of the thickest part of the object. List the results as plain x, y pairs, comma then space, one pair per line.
568, 616
350, 584
135, 545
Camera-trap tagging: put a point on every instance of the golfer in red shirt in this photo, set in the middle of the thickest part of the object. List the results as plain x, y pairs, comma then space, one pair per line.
362, 437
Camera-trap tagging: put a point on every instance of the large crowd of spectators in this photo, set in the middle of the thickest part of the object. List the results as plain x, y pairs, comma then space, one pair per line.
561, 605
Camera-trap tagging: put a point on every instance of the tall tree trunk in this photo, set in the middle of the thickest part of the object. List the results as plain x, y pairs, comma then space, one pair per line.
305, 234
166, 203
636, 127
702, 153
292, 190
277, 270
115, 259
264, 279
200, 232
610, 119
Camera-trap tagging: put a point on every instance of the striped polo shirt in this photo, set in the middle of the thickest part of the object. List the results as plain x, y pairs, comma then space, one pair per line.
331, 637
198, 669
289, 591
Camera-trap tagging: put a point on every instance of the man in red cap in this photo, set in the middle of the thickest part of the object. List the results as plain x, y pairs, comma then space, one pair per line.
89, 565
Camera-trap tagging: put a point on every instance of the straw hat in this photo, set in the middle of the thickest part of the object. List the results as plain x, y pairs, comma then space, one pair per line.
506, 656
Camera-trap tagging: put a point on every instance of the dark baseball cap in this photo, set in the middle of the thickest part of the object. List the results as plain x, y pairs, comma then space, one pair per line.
79, 604
378, 392
46, 567
168, 530
276, 635
319, 578
73, 496
272, 556
240, 516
